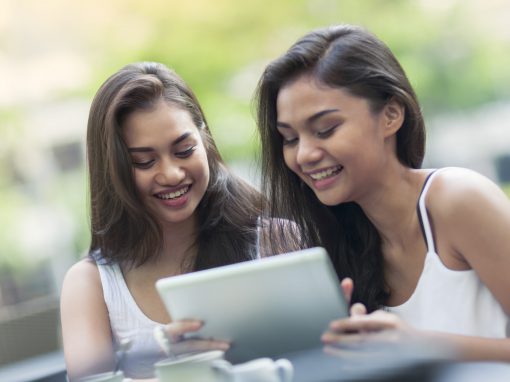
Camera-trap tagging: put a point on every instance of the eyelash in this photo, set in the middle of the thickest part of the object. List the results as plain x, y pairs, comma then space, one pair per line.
143, 165
321, 134
287, 142
326, 133
181, 155
186, 153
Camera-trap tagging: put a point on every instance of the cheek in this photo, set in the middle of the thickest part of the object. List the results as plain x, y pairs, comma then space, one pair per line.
289, 157
203, 166
206, 174
141, 180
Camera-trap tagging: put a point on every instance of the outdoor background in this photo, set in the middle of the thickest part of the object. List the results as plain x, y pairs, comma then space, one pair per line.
54, 54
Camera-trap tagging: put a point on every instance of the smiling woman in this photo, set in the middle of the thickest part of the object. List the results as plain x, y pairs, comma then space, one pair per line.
171, 171
343, 141
162, 203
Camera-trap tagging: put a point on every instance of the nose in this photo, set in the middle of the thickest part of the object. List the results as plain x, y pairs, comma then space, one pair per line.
307, 152
169, 173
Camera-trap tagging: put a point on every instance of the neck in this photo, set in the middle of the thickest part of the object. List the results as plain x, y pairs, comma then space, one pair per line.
179, 241
392, 207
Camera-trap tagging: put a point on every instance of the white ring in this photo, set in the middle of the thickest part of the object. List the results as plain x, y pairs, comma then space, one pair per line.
163, 341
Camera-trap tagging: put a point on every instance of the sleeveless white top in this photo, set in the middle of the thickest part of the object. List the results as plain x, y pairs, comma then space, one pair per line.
128, 321
448, 300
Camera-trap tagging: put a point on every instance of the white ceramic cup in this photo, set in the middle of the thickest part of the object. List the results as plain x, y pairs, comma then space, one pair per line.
260, 369
109, 376
192, 368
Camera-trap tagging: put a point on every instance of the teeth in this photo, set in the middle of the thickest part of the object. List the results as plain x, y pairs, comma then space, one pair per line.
173, 195
325, 173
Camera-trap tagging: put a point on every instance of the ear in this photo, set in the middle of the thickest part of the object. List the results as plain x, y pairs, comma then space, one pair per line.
393, 116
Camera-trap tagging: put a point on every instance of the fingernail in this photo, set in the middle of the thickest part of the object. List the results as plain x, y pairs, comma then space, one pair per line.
161, 339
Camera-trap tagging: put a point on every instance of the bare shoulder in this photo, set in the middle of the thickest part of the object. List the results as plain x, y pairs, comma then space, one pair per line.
462, 191
84, 273
86, 331
83, 280
471, 215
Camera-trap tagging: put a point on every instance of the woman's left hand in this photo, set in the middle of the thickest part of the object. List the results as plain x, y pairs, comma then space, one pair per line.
360, 327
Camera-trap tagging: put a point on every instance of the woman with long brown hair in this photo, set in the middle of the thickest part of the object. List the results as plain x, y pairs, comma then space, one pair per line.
162, 203
343, 140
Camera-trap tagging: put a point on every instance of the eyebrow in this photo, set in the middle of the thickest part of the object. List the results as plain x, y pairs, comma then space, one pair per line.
310, 119
149, 149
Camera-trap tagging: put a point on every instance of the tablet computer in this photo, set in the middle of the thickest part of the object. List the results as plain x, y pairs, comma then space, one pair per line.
269, 307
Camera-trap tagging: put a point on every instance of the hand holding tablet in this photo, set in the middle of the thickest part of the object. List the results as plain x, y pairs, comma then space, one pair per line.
266, 308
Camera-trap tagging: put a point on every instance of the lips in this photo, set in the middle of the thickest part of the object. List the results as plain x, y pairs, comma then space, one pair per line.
174, 194
325, 173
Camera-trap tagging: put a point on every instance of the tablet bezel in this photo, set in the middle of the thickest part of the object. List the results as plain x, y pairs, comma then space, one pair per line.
286, 302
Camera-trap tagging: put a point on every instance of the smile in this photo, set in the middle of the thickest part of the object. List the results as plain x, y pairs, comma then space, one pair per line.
173, 195
326, 173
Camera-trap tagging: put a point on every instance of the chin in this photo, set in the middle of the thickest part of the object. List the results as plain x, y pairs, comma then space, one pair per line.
330, 200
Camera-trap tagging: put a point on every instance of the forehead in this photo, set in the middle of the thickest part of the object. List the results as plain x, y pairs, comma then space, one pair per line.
163, 121
305, 96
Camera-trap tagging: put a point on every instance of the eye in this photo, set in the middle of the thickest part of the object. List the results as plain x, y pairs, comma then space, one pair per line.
143, 165
327, 132
186, 153
289, 141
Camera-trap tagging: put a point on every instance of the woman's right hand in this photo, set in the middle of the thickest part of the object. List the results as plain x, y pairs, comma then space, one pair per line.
347, 286
172, 340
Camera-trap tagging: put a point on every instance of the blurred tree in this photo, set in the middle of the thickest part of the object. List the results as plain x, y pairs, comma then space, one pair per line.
456, 53
220, 47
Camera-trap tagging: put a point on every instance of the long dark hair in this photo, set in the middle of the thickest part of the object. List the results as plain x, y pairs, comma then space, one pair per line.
122, 229
353, 59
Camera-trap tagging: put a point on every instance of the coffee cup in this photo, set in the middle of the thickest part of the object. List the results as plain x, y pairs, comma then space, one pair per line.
260, 369
109, 376
190, 368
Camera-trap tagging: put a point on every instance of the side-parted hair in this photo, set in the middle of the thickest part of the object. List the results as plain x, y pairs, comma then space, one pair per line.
122, 229
351, 58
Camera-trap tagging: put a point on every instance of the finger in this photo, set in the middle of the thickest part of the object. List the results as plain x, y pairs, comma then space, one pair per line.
330, 338
175, 330
162, 339
347, 287
361, 324
339, 339
358, 309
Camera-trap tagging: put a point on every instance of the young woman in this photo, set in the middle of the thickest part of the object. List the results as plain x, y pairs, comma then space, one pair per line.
162, 203
342, 147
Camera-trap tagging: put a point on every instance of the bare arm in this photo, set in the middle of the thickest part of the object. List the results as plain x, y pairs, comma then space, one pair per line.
475, 219
472, 220
86, 333
86, 330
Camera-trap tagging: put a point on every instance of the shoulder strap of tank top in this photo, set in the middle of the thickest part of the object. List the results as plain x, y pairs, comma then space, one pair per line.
423, 214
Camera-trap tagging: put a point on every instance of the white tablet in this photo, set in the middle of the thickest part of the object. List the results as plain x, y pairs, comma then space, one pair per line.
266, 308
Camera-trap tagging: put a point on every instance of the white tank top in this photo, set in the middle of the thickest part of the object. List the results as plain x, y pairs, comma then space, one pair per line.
128, 321
450, 300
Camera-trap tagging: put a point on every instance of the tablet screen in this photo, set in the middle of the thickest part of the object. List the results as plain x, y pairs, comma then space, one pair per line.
266, 308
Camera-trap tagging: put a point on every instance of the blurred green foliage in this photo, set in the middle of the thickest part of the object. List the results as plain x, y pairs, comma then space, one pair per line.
453, 62
453, 57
